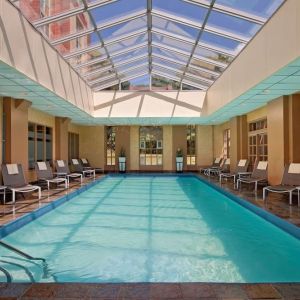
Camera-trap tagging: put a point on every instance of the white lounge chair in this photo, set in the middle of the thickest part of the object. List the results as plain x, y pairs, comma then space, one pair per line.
44, 173
79, 168
259, 175
289, 183
62, 170
14, 180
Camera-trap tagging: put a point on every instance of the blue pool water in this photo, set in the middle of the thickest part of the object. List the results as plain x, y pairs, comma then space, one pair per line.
153, 229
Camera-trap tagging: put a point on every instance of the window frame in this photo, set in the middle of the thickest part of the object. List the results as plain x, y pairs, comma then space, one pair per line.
35, 144
154, 151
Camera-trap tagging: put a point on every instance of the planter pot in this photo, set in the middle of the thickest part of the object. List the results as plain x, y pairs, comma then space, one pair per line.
122, 164
179, 164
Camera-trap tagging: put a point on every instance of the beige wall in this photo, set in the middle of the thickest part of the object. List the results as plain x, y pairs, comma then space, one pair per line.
134, 148
168, 148
91, 144
268, 53
277, 138
257, 114
204, 146
218, 131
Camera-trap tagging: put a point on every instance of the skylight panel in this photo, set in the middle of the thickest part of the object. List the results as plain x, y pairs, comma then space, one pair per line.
167, 63
78, 43
181, 9
127, 43
213, 55
117, 9
57, 30
221, 43
171, 55
129, 55
261, 8
160, 39
175, 27
232, 25
124, 28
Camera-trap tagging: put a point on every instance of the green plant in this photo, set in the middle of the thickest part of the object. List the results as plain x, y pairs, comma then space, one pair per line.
122, 152
179, 153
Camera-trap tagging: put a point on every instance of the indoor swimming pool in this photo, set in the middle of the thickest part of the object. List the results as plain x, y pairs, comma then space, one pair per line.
152, 228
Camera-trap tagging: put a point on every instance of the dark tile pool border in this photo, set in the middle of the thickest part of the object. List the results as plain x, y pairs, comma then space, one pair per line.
27, 218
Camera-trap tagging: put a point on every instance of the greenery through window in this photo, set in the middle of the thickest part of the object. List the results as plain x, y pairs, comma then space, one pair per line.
191, 145
110, 146
151, 146
39, 144
73, 139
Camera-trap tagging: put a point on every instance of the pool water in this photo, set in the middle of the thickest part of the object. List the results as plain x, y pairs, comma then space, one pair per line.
153, 229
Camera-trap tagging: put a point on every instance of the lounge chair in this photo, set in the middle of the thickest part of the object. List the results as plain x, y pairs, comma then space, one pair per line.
86, 165
62, 170
14, 180
224, 168
216, 164
240, 170
289, 183
79, 168
44, 173
259, 175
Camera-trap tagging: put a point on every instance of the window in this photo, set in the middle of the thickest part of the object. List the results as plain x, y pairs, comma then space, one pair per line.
226, 143
151, 146
110, 146
191, 145
73, 142
258, 141
39, 144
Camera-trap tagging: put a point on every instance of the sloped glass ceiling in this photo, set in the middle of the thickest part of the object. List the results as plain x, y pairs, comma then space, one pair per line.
143, 44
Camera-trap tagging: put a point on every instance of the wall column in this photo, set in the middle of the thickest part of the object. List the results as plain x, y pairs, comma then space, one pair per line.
123, 141
134, 148
16, 146
167, 148
278, 138
238, 140
294, 128
179, 141
61, 135
204, 145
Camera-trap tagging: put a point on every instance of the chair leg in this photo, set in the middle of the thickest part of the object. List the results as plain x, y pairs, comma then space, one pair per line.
40, 193
264, 193
255, 189
48, 185
4, 196
66, 183
81, 178
298, 197
291, 197
13, 196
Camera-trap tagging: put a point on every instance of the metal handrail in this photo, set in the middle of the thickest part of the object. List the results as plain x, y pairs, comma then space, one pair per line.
12, 248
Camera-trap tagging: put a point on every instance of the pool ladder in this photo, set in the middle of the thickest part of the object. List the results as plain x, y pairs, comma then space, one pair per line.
25, 255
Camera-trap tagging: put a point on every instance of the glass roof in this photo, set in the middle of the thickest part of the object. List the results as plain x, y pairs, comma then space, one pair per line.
109, 42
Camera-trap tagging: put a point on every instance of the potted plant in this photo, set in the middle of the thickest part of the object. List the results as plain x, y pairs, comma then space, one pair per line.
122, 160
179, 160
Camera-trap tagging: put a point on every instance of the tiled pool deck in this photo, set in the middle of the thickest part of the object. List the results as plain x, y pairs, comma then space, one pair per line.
276, 204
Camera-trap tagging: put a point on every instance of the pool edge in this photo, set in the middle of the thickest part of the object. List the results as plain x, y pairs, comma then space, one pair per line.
14, 225
268, 216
